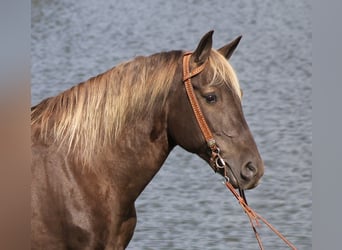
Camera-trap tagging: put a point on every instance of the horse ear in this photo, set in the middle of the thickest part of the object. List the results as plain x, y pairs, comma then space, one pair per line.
203, 49
228, 49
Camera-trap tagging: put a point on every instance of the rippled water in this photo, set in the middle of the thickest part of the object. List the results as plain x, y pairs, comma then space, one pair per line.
186, 206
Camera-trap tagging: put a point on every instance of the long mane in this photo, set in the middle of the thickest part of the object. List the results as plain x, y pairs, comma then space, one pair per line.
90, 116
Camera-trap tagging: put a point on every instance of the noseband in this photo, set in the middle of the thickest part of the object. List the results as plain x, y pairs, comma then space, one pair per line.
216, 161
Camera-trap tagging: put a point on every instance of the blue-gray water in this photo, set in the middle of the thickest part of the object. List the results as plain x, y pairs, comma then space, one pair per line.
186, 206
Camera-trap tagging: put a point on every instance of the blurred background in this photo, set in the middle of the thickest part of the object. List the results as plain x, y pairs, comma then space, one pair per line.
186, 206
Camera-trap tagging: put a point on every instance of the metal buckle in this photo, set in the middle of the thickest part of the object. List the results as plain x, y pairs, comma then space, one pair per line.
219, 162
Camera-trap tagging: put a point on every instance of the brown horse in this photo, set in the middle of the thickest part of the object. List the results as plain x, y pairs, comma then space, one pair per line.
97, 145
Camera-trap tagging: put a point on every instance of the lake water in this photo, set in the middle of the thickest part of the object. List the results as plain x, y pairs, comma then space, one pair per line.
186, 206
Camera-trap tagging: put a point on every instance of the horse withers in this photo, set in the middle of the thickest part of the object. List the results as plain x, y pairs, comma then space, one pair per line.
96, 146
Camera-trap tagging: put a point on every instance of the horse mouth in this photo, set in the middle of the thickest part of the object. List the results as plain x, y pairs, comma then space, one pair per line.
229, 176
238, 183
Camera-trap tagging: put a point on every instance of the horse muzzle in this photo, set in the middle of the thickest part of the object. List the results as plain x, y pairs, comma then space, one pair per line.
246, 177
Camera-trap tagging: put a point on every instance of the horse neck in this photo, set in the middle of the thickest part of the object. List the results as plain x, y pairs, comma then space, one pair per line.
139, 153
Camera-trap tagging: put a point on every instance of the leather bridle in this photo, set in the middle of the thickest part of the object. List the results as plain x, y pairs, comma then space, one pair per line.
216, 161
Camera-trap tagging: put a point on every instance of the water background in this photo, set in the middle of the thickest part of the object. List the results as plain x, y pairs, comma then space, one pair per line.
186, 206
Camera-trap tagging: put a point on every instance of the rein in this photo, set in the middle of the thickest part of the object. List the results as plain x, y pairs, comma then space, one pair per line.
216, 161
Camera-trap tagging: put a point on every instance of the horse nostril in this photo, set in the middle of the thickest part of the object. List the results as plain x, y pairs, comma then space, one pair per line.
248, 171
251, 167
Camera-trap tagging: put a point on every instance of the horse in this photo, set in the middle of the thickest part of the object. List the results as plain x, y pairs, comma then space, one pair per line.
97, 145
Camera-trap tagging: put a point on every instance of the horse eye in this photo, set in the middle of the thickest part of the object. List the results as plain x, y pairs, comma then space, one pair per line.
211, 98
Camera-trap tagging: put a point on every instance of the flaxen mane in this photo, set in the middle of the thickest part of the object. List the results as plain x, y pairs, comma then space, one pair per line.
90, 116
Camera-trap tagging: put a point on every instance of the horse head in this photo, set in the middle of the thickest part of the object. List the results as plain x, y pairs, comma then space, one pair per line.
218, 95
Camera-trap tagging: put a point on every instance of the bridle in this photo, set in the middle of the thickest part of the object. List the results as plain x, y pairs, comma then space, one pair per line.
216, 161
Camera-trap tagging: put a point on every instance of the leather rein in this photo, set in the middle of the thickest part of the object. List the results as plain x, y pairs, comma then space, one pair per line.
216, 161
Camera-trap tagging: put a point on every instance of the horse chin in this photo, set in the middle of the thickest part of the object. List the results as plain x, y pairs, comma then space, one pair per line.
253, 185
